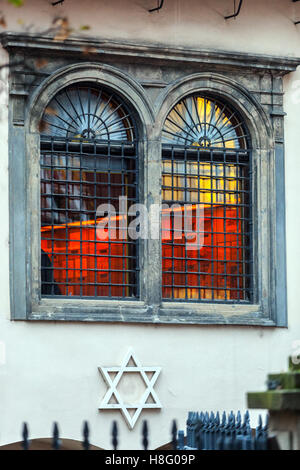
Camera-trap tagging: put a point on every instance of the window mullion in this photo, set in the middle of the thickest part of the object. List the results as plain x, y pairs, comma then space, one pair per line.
153, 200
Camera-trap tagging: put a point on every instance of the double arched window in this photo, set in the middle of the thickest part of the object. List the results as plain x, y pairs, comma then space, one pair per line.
200, 153
89, 159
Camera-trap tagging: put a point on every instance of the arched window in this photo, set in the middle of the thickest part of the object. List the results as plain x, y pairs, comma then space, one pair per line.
88, 161
206, 252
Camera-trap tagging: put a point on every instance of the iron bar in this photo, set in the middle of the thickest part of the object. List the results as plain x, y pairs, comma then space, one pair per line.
296, 22
115, 436
157, 8
145, 433
235, 13
86, 432
55, 440
25, 434
174, 435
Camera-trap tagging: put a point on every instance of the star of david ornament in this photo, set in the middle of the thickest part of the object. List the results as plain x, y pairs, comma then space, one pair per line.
115, 399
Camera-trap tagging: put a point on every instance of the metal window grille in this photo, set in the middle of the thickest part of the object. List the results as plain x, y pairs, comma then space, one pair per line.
206, 173
88, 158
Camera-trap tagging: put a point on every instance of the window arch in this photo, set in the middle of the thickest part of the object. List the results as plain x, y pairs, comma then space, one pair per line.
202, 121
206, 159
88, 112
88, 176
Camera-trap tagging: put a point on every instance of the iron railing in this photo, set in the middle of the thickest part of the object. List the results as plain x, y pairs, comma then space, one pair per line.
56, 441
206, 431
203, 432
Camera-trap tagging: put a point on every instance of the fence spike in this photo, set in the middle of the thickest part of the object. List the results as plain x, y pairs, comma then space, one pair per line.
115, 435
191, 437
259, 427
189, 418
25, 434
180, 440
229, 423
266, 427
86, 433
174, 435
145, 435
56, 441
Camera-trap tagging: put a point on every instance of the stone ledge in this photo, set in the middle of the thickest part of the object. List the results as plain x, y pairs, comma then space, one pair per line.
275, 400
287, 381
150, 52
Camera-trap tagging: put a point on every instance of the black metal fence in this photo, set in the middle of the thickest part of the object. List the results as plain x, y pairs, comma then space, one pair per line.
203, 432
210, 432
56, 442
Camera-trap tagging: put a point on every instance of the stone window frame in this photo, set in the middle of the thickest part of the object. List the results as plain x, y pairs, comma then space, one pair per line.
270, 303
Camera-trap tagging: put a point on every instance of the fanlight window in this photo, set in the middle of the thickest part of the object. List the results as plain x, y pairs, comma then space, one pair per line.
202, 122
207, 180
89, 113
88, 159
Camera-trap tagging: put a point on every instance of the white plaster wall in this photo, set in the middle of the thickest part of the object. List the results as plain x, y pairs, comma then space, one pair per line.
264, 26
50, 369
